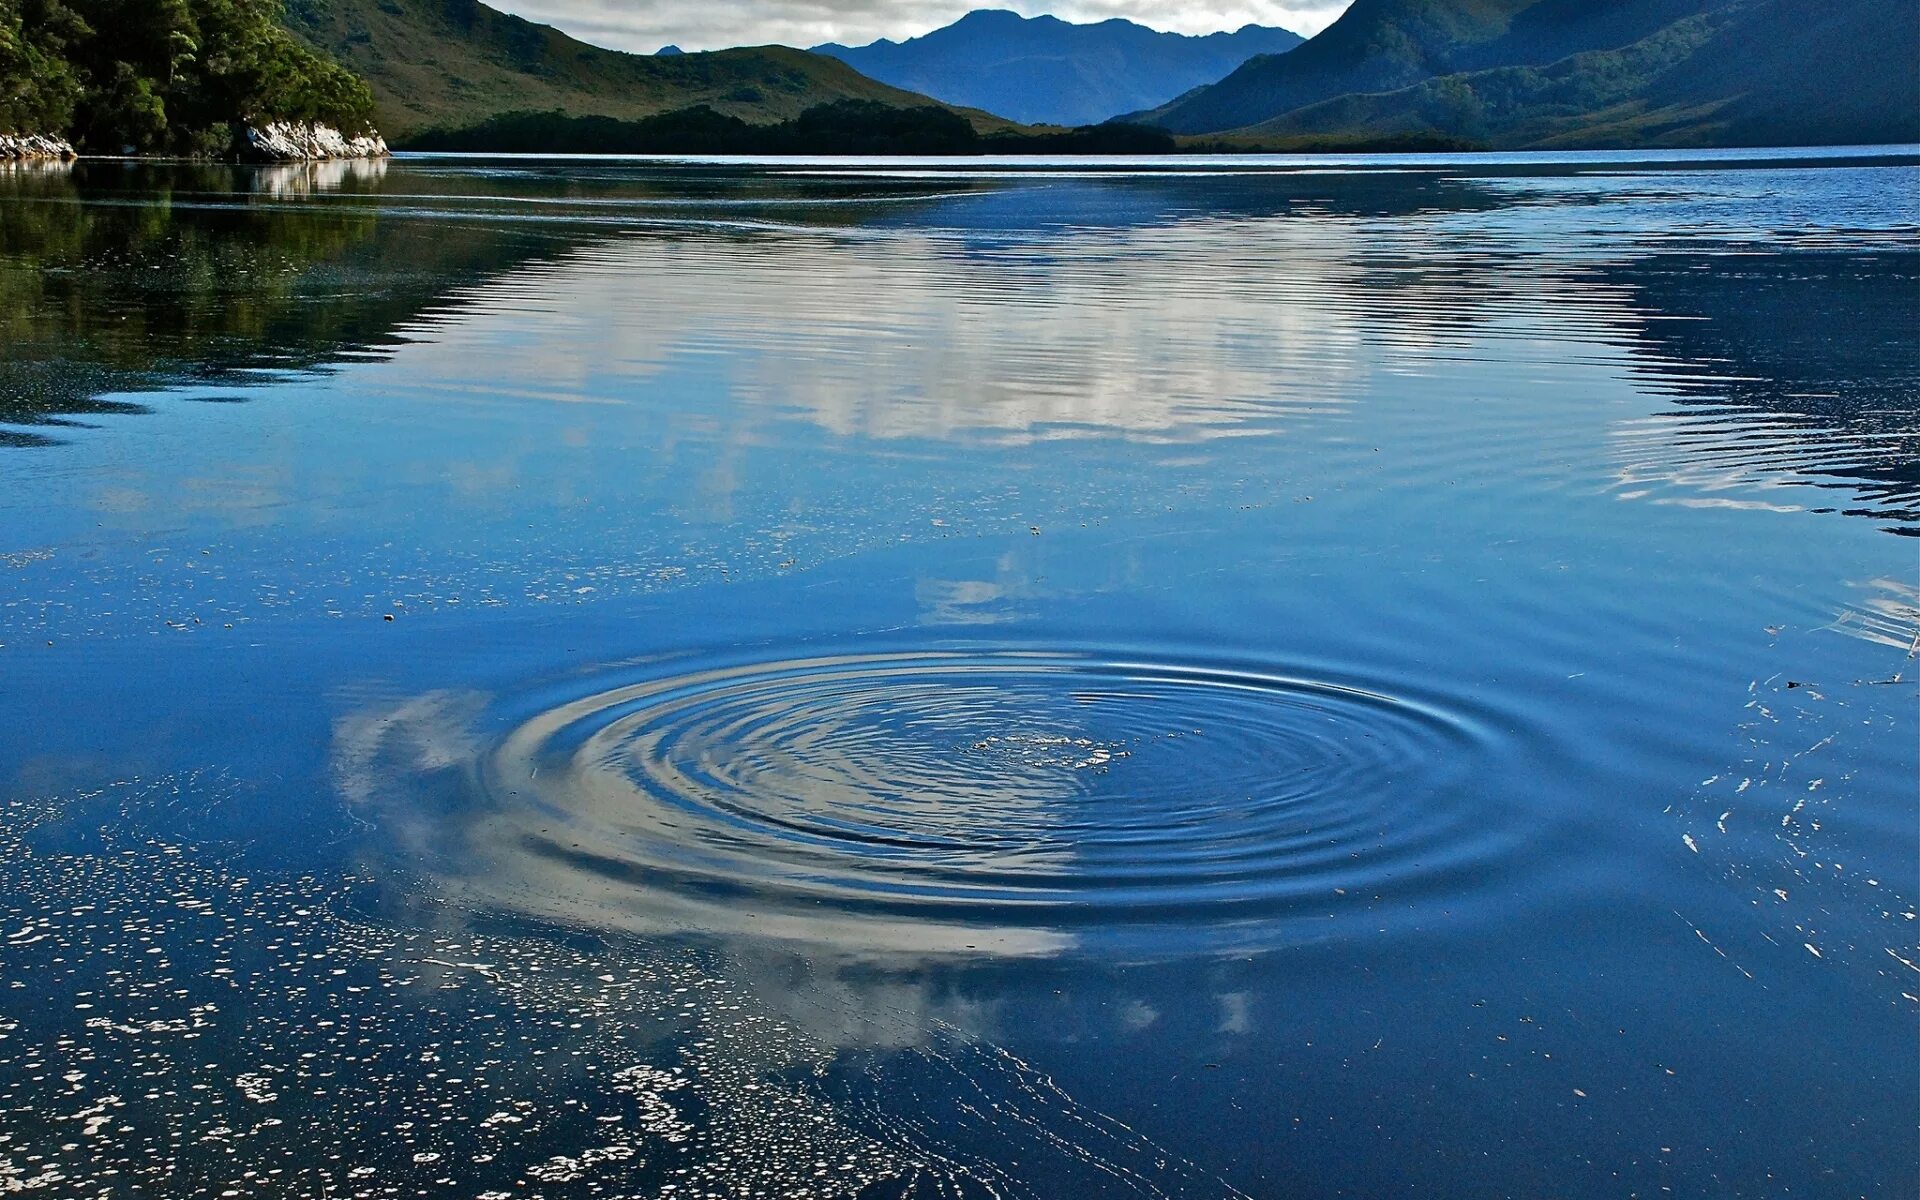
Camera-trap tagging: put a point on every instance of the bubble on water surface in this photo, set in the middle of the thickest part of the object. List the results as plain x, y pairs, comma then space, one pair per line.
953, 802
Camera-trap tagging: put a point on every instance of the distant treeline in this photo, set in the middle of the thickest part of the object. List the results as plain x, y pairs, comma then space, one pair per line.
1410, 142
163, 76
844, 127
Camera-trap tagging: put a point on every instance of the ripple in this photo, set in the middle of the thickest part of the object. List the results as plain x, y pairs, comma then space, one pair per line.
972, 801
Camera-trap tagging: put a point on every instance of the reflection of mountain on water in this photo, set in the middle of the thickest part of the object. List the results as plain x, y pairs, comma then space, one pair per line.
1033, 203
121, 279
1792, 368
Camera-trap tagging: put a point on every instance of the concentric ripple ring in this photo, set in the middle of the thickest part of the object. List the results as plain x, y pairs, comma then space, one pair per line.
973, 801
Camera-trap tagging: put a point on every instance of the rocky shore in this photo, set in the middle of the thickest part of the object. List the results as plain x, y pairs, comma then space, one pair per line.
23, 147
280, 142
301, 141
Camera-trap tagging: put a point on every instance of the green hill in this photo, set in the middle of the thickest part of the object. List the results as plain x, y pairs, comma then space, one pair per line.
1566, 73
456, 63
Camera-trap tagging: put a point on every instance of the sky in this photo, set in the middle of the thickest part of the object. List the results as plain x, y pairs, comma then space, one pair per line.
646, 25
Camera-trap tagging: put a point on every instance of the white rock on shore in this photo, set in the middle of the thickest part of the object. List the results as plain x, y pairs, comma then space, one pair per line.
16, 147
299, 141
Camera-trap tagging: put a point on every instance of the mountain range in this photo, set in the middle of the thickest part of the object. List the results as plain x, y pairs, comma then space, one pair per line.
1578, 73
1045, 71
191, 76
456, 63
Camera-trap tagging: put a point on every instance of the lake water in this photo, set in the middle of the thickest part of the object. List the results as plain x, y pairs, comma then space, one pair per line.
1237, 677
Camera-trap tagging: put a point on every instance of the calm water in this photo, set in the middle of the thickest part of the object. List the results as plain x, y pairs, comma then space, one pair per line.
1248, 678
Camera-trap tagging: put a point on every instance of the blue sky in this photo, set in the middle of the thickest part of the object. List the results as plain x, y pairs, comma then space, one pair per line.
646, 25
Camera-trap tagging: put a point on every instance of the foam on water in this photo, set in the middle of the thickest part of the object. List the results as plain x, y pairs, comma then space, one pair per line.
173, 1023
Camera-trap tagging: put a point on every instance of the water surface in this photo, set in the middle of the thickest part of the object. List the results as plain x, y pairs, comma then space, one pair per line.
1216, 677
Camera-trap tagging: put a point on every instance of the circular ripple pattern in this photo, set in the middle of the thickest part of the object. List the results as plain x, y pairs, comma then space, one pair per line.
1018, 802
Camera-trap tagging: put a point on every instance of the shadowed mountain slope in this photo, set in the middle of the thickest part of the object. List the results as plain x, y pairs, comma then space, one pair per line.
1583, 73
1784, 72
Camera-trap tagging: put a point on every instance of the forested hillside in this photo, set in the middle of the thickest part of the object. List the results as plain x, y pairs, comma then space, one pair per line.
163, 76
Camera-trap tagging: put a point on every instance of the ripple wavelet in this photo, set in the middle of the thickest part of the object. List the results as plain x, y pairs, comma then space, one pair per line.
1021, 802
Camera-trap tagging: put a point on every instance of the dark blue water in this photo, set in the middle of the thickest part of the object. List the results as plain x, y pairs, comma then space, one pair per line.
1248, 677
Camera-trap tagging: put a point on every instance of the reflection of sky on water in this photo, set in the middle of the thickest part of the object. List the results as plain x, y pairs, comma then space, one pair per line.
1567, 459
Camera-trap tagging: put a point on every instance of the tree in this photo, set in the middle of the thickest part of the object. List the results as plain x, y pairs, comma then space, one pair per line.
174, 76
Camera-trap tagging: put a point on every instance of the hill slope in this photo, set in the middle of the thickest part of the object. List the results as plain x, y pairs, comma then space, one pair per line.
449, 63
1758, 72
1048, 71
1384, 45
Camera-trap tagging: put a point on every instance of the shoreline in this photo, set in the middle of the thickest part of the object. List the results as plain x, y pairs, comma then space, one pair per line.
42, 150
35, 147
273, 143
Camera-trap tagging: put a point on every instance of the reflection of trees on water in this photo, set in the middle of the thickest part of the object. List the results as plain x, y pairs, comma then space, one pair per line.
118, 279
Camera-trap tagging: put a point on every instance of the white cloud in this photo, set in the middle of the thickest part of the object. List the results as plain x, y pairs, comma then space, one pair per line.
646, 25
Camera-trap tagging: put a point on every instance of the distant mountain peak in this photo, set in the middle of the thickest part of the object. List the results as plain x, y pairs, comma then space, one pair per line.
1002, 16
1044, 70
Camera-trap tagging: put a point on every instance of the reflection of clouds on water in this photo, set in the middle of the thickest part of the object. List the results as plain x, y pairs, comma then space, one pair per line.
1730, 458
1206, 329
848, 1003
903, 339
774, 400
960, 803
845, 986
1888, 615
1236, 1013
409, 767
964, 601
931, 352
417, 736
994, 601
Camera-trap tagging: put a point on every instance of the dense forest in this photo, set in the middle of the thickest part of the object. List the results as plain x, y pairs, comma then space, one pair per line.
163, 76
843, 127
